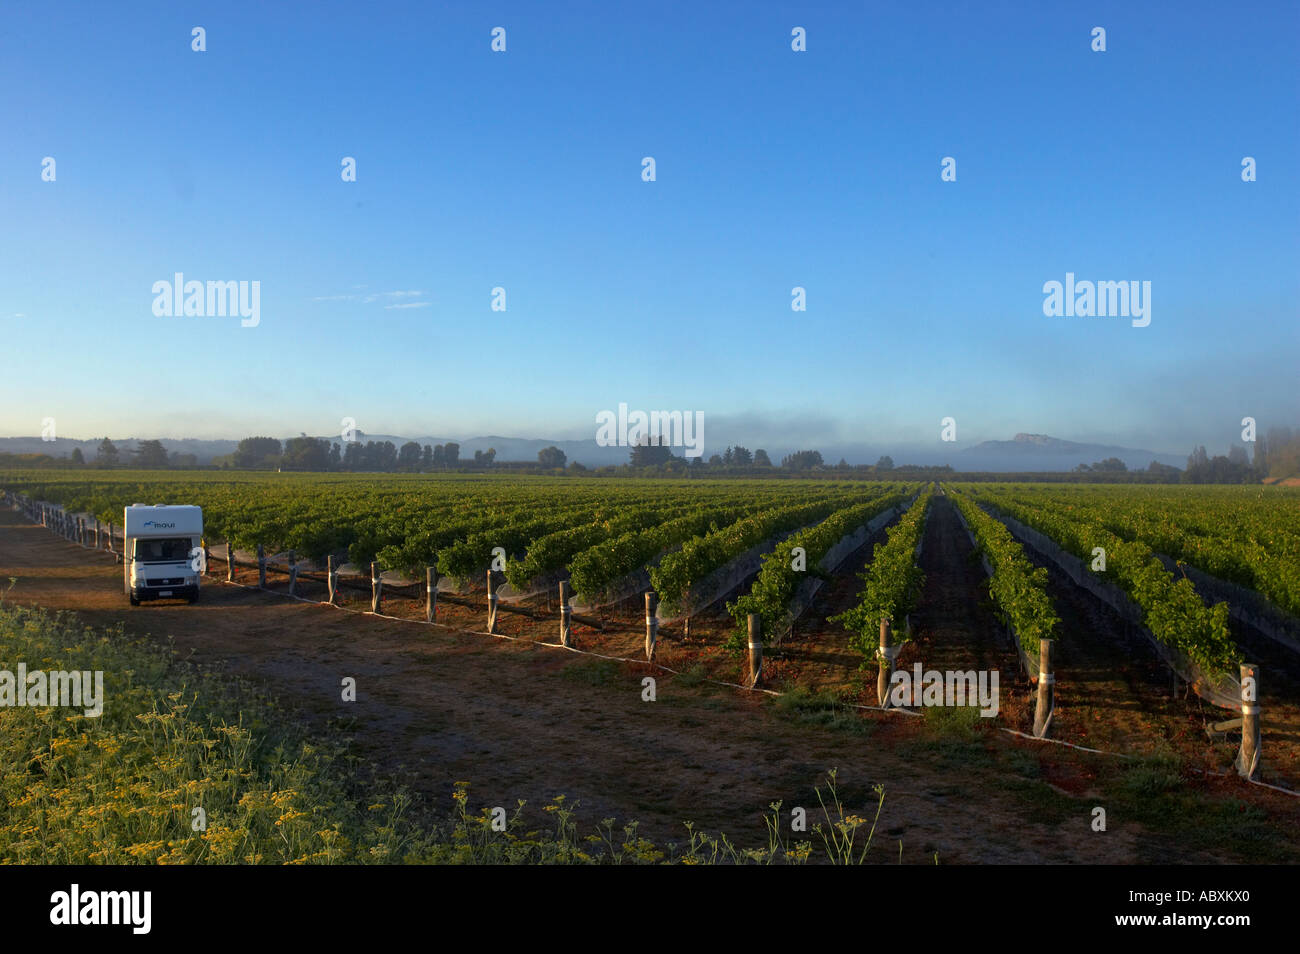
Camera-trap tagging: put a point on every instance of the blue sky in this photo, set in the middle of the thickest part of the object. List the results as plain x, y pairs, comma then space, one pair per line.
522, 170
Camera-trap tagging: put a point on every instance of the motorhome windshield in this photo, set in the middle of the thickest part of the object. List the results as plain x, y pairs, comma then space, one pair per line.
163, 550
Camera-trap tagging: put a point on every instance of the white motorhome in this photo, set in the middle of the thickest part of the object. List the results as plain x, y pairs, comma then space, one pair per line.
162, 553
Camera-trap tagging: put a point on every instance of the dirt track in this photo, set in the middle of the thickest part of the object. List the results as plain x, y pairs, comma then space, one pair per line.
520, 721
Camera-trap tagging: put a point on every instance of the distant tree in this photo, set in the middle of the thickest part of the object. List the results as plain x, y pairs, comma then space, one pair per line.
803, 460
450, 453
387, 456
715, 460
1283, 453
107, 453
1163, 472
1260, 463
150, 455
760, 458
408, 458
842, 465
352, 455
306, 453
551, 457
577, 467
426, 458
1111, 465
77, 457
885, 463
257, 452
1232, 469
1237, 456
336, 459
741, 457
439, 455
177, 459
649, 452
728, 457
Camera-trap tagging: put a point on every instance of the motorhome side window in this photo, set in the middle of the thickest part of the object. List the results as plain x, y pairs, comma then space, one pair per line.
163, 550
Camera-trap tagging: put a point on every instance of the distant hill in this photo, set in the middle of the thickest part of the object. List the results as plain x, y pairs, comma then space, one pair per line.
1033, 452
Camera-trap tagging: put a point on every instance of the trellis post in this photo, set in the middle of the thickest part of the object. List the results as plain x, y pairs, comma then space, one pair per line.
566, 615
1248, 759
651, 623
755, 648
885, 660
1046, 689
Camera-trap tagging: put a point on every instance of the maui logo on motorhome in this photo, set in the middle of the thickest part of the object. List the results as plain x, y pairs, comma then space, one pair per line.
219, 299
77, 689
1098, 299
628, 430
159, 525
132, 908
934, 688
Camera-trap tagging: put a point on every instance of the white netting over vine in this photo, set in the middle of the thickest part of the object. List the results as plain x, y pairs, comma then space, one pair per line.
829, 563
1220, 689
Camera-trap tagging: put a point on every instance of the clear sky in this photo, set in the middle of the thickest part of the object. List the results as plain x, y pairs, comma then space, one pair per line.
775, 169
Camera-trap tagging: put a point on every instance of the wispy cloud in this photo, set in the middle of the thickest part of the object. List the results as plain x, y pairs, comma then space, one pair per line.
409, 304
372, 297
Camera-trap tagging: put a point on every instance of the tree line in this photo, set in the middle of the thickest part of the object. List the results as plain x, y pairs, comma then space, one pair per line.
1276, 456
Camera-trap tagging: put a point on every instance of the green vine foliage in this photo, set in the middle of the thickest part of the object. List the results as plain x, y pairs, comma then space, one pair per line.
893, 581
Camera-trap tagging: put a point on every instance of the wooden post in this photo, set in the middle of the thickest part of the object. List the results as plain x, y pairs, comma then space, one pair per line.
331, 578
755, 648
492, 603
885, 661
261, 566
1248, 759
651, 623
1046, 690
293, 571
566, 615
376, 588
230, 560
430, 594
97, 546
